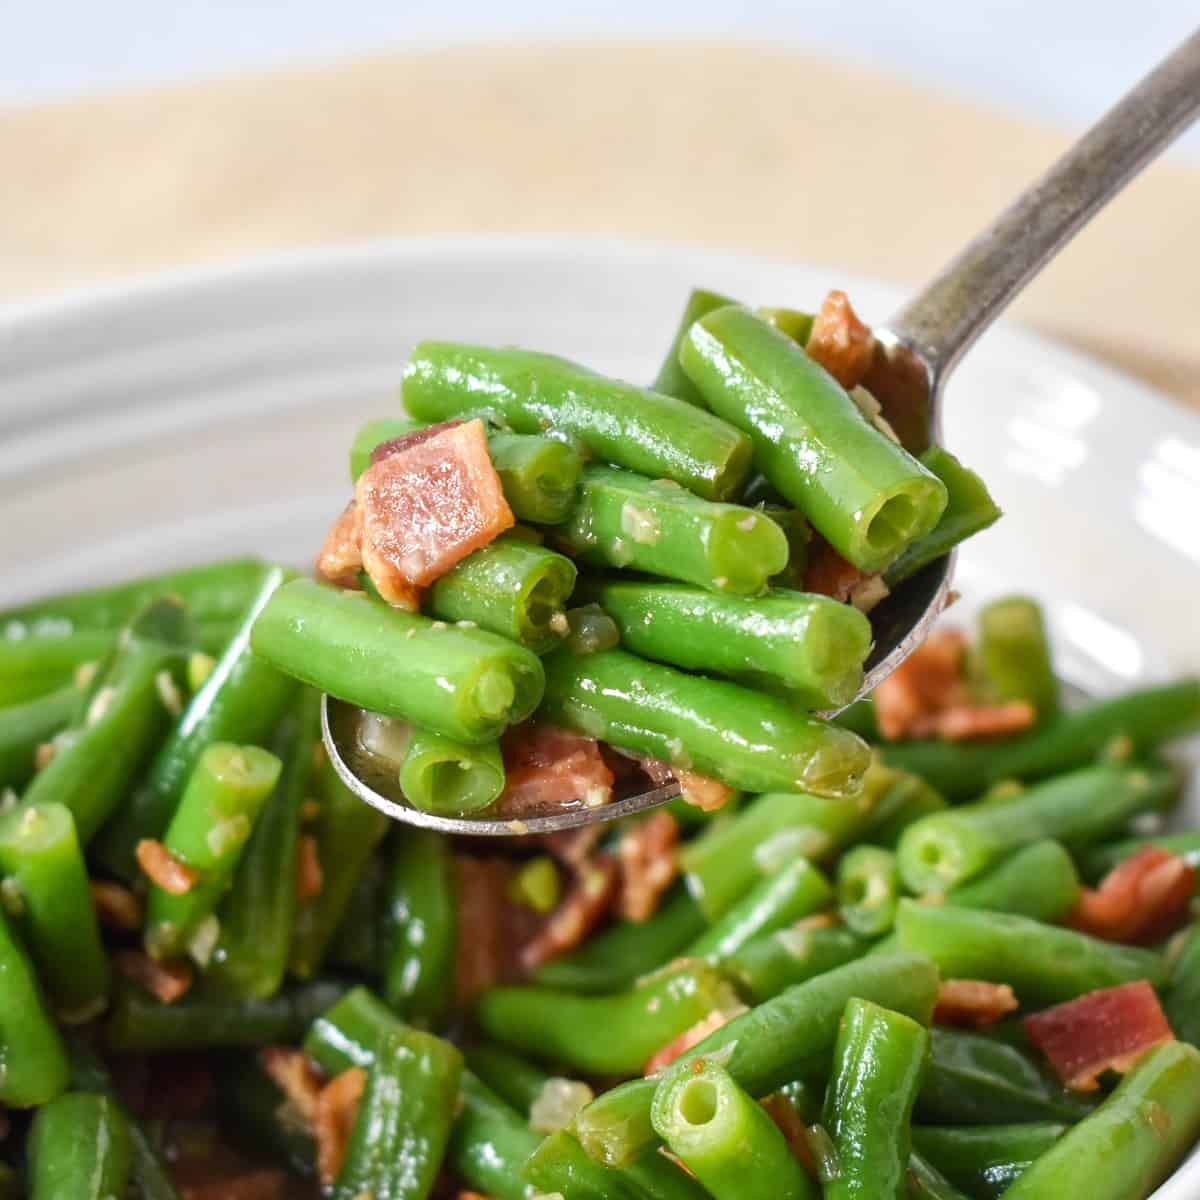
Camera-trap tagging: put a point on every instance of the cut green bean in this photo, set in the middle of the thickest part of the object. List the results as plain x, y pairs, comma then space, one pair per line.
866, 495
79, 1149
902, 802
1038, 881
798, 532
764, 967
37, 663
986, 1160
926, 1182
346, 1033
509, 587
43, 865
466, 683
868, 890
811, 645
1096, 861
356, 945
1044, 964
441, 775
726, 1139
514, 1079
879, 1062
796, 324
490, 1143
25, 727
671, 379
658, 436
1011, 657
748, 740
1182, 1001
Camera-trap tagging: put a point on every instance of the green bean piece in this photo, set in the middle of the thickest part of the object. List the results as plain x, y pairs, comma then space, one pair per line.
1182, 1000
614, 958
985, 1160
926, 1182
24, 727
36, 663
418, 921
79, 1149
748, 740
466, 683
657, 436
403, 1124
868, 890
208, 833
1132, 1142
441, 775
561, 1027
879, 1061
1086, 805
1096, 861
969, 510
356, 945
974, 1079
241, 701
796, 324
726, 1139
509, 587
796, 890
1011, 658
138, 1023
785, 1038
539, 475
671, 380
903, 802
346, 1033
347, 831
256, 916
254, 1113
35, 1060
811, 645
514, 1079
1038, 881
764, 967
866, 495
623, 520
490, 1143
41, 860
1044, 964
1132, 725
799, 534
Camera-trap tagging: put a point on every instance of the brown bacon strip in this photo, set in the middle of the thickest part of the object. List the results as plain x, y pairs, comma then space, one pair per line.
686, 1040
647, 859
333, 1121
310, 879
1141, 900
840, 342
580, 911
295, 1076
166, 981
546, 767
161, 867
340, 559
116, 906
266, 1184
973, 1003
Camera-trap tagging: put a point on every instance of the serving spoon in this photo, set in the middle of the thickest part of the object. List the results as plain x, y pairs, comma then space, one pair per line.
921, 345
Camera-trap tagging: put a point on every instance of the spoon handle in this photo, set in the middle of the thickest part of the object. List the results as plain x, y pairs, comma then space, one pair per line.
945, 318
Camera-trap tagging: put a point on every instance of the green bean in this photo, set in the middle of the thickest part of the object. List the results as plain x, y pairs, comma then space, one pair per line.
948, 848
879, 1062
1132, 724
926, 1182
25, 727
969, 510
868, 890
811, 645
797, 325
347, 831
1044, 964
356, 945
671, 380
208, 833
440, 775
41, 859
796, 890
513, 1078
1130, 1143
725, 1139
867, 496
785, 1038
79, 1149
748, 740
903, 802
404, 1120
490, 1143
978, 1080
1037, 881
346, 1033
655, 435
241, 700
254, 1113
466, 683
562, 1027
799, 534
419, 926
1096, 861
1011, 656
509, 587
613, 959
767, 965
256, 916
623, 520
34, 664
1182, 1000
138, 1023
985, 1160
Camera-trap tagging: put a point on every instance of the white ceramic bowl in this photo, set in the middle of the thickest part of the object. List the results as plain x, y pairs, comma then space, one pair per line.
209, 413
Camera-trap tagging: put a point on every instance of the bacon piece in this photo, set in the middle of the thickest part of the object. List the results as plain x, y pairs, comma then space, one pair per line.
787, 1120
1141, 900
828, 573
1105, 1030
706, 793
687, 1039
166, 981
840, 342
579, 912
296, 1077
647, 858
426, 506
571, 847
310, 879
265, 1184
491, 928
965, 721
408, 440
340, 559
333, 1121
546, 767
973, 1003
161, 867
116, 906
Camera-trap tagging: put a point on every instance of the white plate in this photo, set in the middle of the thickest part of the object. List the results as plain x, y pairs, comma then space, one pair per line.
210, 413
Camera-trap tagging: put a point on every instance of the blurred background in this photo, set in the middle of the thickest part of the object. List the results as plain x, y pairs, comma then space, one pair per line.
141, 134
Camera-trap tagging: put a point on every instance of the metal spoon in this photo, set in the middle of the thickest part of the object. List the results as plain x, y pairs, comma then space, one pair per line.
922, 342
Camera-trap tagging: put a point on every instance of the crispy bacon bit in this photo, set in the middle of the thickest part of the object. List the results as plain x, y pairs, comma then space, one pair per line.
648, 867
973, 1003
333, 1121
310, 879
166, 981
687, 1039
265, 1184
580, 911
295, 1076
473, 1196
1105, 1030
545, 767
1141, 900
828, 573
483, 908
570, 846
408, 440
161, 867
968, 721
840, 342
116, 906
706, 793
787, 1120
425, 506
340, 559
